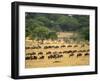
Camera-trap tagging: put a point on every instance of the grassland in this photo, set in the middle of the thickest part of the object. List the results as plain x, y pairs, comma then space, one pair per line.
71, 54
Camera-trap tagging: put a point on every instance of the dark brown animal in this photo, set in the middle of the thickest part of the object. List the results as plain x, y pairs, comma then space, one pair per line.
42, 57
75, 45
40, 53
79, 54
48, 52
33, 57
71, 55
63, 46
69, 46
86, 54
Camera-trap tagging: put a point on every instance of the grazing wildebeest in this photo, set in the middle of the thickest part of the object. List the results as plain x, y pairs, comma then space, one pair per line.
74, 51
79, 54
27, 58
86, 54
56, 47
59, 56
63, 46
69, 46
60, 52
40, 53
50, 56
42, 57
70, 55
48, 52
69, 51
49, 46
27, 47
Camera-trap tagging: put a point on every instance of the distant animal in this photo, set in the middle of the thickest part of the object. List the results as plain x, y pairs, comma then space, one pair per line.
74, 51
65, 51
60, 52
86, 54
69, 46
42, 57
79, 54
27, 47
48, 52
69, 51
27, 58
70, 55
33, 57
56, 46
63, 46
40, 53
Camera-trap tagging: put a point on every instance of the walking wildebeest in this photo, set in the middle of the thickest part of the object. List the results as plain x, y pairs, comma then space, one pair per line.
40, 53
69, 46
42, 57
33, 57
48, 52
79, 54
63, 46
86, 54
70, 55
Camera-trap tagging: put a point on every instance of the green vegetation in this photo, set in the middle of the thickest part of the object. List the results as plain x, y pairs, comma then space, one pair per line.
45, 26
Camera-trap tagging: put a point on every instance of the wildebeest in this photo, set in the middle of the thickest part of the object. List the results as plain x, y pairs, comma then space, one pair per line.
50, 56
74, 51
56, 47
42, 57
63, 46
33, 57
60, 52
86, 54
69, 46
27, 58
45, 47
82, 51
69, 51
79, 54
70, 55
27, 47
48, 52
40, 53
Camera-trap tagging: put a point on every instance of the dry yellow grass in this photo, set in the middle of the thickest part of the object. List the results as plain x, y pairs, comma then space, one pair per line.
64, 61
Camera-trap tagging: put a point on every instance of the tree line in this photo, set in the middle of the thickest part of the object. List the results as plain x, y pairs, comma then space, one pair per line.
45, 26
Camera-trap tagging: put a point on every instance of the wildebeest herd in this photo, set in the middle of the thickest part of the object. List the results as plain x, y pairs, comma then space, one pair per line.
56, 54
52, 54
